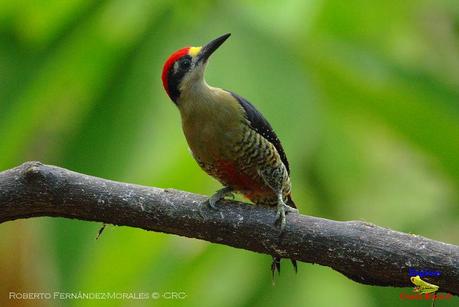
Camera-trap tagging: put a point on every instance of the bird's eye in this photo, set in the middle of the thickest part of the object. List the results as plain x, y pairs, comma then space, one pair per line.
185, 64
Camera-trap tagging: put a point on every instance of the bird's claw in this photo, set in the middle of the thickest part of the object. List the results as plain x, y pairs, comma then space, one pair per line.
290, 209
207, 203
219, 195
282, 210
212, 201
280, 217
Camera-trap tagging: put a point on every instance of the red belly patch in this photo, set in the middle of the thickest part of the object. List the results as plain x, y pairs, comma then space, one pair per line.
230, 174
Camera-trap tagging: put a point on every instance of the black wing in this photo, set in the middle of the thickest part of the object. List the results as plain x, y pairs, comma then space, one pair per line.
261, 125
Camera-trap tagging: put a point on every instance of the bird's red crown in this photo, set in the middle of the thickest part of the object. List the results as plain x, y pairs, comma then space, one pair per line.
169, 62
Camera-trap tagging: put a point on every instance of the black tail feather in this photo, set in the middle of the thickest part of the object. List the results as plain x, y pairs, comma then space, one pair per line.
276, 266
295, 265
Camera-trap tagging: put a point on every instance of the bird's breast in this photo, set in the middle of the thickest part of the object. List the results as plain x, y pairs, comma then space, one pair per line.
212, 124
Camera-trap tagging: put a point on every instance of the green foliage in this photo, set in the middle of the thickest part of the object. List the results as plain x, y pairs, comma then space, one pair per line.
363, 94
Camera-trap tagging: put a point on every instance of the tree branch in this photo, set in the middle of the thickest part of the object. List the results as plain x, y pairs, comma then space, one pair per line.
363, 252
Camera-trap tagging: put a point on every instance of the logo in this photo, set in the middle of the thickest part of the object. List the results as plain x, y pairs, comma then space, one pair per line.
426, 296
423, 273
424, 290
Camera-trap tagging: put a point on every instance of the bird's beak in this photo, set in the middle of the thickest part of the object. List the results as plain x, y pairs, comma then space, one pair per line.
208, 49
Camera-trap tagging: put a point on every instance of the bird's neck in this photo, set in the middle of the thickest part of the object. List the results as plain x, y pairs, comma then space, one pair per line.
194, 89
196, 97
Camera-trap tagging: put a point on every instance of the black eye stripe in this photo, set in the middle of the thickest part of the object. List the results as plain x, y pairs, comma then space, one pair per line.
175, 76
185, 62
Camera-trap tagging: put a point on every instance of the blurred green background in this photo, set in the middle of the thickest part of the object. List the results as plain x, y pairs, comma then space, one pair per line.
363, 94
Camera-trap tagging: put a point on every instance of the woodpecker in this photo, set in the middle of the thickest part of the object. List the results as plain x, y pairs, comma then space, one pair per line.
228, 137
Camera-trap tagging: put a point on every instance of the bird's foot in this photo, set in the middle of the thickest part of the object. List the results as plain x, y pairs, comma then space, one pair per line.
282, 210
219, 195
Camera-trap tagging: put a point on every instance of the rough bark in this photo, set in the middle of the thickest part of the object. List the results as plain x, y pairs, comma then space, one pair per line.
364, 252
